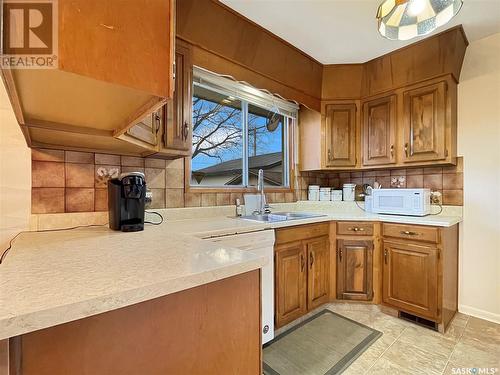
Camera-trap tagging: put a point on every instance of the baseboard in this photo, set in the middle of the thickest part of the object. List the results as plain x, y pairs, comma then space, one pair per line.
478, 313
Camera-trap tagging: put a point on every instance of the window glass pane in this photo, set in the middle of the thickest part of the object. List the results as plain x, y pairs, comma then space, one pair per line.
217, 139
265, 146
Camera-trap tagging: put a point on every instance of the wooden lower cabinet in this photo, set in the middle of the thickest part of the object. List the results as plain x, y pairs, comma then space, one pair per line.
302, 271
355, 269
291, 302
410, 278
318, 274
209, 329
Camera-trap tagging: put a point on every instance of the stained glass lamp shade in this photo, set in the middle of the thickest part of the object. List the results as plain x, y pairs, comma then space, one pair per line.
407, 19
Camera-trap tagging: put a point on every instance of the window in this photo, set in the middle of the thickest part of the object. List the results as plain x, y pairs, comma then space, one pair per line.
238, 130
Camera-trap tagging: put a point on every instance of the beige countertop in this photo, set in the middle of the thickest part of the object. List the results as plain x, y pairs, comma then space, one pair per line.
50, 278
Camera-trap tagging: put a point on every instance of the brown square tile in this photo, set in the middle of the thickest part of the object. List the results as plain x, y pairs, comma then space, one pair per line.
154, 163
79, 157
158, 198
174, 164
370, 173
415, 181
235, 196
385, 181
323, 181
47, 200
345, 175
175, 198
79, 199
155, 178
433, 170
174, 178
192, 199
270, 198
132, 161
107, 159
289, 197
344, 181
42, 154
383, 173
398, 172
453, 181
223, 199
369, 180
101, 200
79, 175
132, 169
208, 199
303, 195
414, 171
334, 182
357, 181
453, 197
103, 173
279, 197
356, 174
47, 174
433, 181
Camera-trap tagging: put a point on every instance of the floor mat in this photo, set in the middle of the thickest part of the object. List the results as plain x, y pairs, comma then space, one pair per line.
325, 344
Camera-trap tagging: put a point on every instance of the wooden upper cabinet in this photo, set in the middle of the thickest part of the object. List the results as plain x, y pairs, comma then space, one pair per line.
125, 43
177, 131
378, 131
410, 278
340, 131
355, 269
291, 282
425, 123
318, 277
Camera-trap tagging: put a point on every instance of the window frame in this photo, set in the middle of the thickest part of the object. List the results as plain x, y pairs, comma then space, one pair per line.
245, 94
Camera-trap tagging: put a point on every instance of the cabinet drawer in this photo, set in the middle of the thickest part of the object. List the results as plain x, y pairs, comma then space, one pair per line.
354, 227
302, 232
411, 232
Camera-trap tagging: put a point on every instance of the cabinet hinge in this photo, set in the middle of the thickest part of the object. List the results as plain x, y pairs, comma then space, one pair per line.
439, 253
446, 153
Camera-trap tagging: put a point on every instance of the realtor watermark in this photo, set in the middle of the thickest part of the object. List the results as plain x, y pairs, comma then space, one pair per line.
29, 34
474, 370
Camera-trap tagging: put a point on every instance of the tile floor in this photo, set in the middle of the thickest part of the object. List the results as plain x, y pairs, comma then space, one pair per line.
406, 348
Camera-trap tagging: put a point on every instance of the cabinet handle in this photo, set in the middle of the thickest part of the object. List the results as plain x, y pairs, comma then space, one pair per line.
406, 149
340, 255
386, 253
356, 229
311, 259
302, 263
392, 150
408, 233
185, 131
157, 120
329, 154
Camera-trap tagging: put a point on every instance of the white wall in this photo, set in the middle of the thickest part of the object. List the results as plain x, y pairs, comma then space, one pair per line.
15, 174
479, 144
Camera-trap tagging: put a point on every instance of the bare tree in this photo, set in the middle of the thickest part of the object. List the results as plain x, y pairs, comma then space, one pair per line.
217, 129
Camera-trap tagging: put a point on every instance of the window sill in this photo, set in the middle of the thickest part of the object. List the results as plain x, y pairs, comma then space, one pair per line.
193, 189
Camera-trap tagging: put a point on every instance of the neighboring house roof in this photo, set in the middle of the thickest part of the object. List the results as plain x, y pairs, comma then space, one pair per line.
233, 168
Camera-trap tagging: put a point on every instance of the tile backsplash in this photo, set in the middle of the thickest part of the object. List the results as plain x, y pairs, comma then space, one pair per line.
69, 181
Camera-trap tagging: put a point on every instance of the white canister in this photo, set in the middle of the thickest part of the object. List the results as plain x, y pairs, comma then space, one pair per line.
313, 194
324, 194
368, 203
348, 190
336, 195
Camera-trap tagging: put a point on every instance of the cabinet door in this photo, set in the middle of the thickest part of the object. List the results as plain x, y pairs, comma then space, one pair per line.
424, 123
340, 122
379, 131
355, 270
410, 275
318, 276
290, 263
177, 132
147, 130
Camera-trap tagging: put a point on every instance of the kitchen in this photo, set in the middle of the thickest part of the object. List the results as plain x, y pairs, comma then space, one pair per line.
211, 277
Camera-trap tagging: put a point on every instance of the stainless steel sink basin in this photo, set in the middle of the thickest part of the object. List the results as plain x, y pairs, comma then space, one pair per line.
281, 216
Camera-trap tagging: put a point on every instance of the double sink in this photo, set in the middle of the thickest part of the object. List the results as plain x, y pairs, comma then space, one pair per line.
281, 216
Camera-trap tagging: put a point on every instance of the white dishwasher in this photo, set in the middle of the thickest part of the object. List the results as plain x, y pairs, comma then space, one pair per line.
259, 243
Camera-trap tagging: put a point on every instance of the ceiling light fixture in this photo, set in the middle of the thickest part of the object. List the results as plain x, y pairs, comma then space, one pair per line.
407, 19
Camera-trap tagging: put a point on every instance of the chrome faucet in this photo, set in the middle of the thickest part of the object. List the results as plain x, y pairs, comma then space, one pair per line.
263, 208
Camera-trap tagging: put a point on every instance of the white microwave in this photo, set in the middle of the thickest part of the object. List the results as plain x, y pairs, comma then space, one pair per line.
413, 202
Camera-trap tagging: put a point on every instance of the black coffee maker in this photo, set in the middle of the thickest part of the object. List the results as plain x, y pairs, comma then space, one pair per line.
126, 200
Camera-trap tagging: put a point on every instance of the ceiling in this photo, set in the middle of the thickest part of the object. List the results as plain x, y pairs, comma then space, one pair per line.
345, 31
